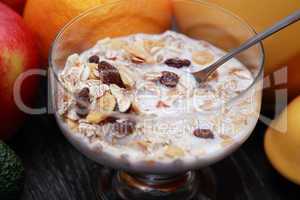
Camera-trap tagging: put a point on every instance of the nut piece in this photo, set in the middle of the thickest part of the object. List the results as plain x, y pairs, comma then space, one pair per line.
174, 152
138, 53
71, 124
95, 117
117, 44
203, 57
152, 46
204, 133
106, 103
169, 79
93, 68
239, 73
127, 77
152, 76
124, 101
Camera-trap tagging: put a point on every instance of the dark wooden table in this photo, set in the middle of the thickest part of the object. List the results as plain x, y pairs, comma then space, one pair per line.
56, 171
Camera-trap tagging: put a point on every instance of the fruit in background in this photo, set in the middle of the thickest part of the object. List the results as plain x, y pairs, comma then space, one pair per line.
283, 148
151, 16
17, 5
283, 49
11, 173
18, 53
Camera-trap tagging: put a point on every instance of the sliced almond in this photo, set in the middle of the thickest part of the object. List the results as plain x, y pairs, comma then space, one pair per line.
149, 44
137, 60
203, 57
127, 77
174, 152
135, 107
124, 101
152, 76
106, 103
239, 73
138, 53
117, 44
93, 68
85, 73
96, 117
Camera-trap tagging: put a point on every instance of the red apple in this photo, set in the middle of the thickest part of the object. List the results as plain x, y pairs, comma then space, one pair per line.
17, 5
18, 53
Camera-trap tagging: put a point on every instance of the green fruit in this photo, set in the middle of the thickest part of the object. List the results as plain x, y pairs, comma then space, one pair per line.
11, 173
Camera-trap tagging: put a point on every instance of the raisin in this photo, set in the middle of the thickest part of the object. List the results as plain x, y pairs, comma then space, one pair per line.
178, 63
169, 79
204, 133
186, 63
109, 74
83, 102
125, 127
94, 59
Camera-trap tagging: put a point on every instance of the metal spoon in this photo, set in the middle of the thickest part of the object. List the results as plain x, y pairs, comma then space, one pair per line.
202, 75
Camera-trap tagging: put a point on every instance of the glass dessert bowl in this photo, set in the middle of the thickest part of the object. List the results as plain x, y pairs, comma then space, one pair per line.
126, 98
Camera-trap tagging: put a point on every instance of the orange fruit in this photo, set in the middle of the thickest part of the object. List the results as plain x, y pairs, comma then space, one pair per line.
46, 18
282, 142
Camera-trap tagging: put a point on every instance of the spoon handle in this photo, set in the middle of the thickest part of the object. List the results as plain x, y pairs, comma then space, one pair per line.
254, 40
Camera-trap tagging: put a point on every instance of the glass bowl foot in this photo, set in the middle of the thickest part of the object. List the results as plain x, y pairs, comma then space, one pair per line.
120, 185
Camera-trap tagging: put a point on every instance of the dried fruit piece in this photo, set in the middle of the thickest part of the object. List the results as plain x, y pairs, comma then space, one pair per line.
174, 152
94, 59
203, 57
106, 103
169, 79
178, 63
95, 117
204, 133
127, 77
125, 127
109, 74
82, 102
124, 101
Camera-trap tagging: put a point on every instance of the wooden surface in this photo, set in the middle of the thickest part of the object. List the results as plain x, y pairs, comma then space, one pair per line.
56, 171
